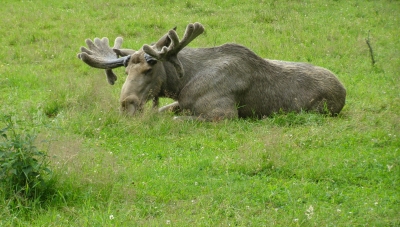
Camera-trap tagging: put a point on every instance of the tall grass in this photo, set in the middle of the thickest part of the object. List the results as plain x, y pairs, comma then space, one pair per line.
286, 170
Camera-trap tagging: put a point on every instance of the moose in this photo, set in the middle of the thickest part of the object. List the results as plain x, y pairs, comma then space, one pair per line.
211, 84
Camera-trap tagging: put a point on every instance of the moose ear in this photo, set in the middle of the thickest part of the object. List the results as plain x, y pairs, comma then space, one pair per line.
165, 41
150, 60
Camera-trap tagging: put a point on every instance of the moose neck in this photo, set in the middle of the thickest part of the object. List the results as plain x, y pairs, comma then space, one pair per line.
173, 83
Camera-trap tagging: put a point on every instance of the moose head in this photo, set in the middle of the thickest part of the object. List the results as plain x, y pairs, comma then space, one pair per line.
145, 69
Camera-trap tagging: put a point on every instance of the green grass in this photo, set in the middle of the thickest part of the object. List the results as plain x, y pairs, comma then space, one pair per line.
287, 170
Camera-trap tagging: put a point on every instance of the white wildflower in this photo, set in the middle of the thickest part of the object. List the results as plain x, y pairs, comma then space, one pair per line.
310, 212
111, 217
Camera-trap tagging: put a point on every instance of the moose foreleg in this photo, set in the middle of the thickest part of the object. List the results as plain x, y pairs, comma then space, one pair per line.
216, 110
155, 102
174, 107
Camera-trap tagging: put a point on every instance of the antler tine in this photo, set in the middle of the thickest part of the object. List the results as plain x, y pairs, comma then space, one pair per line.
84, 50
91, 45
103, 43
192, 31
118, 43
103, 47
154, 53
175, 44
111, 77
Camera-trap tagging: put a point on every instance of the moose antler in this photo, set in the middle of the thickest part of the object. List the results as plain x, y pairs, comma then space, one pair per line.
171, 51
192, 31
100, 55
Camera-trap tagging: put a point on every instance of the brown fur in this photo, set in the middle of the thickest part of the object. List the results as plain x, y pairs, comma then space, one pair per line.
229, 81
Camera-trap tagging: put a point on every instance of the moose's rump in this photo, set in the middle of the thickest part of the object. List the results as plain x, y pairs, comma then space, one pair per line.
291, 87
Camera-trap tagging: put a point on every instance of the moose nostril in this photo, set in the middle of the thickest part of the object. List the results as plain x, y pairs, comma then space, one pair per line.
128, 108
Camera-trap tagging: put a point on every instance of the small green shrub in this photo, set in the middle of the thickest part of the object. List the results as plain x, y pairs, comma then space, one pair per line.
24, 173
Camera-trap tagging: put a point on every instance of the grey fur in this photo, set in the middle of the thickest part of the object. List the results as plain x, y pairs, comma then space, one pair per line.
228, 81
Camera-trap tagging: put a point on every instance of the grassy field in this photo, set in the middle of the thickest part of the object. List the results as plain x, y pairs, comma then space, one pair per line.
287, 170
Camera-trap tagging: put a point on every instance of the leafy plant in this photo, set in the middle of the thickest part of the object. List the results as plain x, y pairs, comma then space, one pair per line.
23, 168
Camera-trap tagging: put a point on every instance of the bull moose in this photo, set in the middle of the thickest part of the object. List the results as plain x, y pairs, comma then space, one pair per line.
215, 83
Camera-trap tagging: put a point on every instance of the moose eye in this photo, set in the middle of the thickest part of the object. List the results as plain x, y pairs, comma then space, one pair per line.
152, 61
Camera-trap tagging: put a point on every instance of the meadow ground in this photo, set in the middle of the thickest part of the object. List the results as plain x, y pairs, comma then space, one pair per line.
286, 170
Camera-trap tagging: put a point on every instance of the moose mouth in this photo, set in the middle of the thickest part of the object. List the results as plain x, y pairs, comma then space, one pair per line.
131, 105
